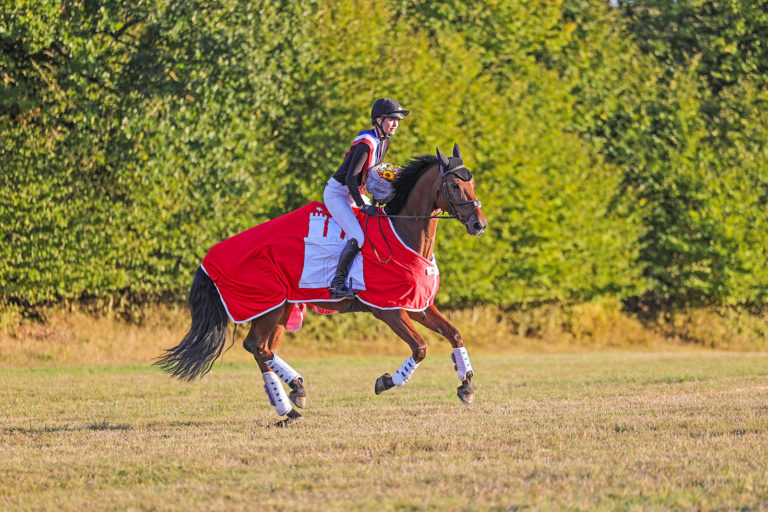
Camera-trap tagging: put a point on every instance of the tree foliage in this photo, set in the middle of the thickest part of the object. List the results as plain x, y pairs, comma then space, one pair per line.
616, 151
700, 178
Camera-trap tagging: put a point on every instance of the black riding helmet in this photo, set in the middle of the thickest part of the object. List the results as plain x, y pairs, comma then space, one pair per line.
387, 107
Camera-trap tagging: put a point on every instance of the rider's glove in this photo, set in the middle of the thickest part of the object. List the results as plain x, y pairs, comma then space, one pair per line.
369, 209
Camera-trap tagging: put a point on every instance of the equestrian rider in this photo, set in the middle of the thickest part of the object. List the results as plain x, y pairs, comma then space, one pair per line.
344, 188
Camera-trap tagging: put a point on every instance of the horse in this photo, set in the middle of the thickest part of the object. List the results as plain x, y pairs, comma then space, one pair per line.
424, 191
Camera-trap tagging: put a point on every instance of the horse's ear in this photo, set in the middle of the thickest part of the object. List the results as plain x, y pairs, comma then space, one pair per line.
443, 159
456, 151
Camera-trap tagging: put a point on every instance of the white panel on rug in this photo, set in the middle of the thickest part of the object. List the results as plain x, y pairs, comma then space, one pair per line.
322, 247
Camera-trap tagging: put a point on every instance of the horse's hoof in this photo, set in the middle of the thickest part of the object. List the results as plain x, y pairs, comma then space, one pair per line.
466, 392
298, 394
291, 417
298, 401
383, 383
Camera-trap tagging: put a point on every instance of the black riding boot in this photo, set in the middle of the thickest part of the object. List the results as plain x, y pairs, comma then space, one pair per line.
338, 288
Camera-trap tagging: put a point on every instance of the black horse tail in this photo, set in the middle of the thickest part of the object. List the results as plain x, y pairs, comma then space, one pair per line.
204, 342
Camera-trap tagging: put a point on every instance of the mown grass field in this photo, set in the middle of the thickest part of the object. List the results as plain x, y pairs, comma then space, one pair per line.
596, 430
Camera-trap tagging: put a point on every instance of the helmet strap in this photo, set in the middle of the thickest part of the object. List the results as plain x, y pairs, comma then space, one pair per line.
381, 133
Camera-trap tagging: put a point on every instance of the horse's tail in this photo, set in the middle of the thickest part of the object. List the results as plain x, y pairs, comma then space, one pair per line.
204, 342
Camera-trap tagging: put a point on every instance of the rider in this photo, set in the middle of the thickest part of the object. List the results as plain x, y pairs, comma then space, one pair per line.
343, 189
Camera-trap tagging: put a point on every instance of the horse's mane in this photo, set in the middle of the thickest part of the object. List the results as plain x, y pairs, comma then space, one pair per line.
405, 181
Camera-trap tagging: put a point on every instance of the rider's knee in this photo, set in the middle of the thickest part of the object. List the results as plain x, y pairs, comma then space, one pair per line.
359, 238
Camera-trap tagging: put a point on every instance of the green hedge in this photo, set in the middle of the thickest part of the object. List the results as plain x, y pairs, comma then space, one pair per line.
613, 157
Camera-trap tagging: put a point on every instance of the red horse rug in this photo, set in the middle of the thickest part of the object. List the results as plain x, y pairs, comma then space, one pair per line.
294, 257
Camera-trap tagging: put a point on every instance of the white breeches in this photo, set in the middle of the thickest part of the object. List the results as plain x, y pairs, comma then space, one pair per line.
339, 202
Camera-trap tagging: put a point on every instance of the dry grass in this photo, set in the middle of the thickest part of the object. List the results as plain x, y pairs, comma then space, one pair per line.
591, 430
74, 336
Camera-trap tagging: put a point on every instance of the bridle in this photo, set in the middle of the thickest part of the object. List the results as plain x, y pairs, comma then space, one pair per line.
462, 173
465, 176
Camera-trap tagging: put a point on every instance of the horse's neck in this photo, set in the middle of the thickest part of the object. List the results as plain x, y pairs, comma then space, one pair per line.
419, 234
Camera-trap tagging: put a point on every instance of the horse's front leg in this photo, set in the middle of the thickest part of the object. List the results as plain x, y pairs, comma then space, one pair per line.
398, 321
435, 321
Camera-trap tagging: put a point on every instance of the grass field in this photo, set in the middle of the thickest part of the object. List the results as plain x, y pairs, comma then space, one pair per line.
596, 430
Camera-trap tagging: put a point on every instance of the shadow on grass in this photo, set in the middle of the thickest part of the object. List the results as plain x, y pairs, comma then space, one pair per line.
47, 429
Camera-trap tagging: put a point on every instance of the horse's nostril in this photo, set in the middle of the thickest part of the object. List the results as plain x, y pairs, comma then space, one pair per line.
479, 226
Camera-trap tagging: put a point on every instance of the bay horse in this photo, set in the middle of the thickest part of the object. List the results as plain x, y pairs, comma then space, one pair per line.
427, 186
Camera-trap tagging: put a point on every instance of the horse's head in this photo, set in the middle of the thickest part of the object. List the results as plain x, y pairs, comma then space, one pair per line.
457, 195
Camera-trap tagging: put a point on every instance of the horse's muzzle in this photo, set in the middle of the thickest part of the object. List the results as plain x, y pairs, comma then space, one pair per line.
476, 223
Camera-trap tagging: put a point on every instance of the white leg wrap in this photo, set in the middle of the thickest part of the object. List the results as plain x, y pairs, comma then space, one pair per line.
461, 362
283, 370
276, 393
405, 371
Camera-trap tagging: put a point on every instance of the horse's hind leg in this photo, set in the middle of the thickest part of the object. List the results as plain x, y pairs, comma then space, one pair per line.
257, 342
295, 381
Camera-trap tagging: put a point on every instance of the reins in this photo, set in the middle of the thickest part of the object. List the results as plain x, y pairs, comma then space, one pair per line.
386, 241
453, 215
438, 216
